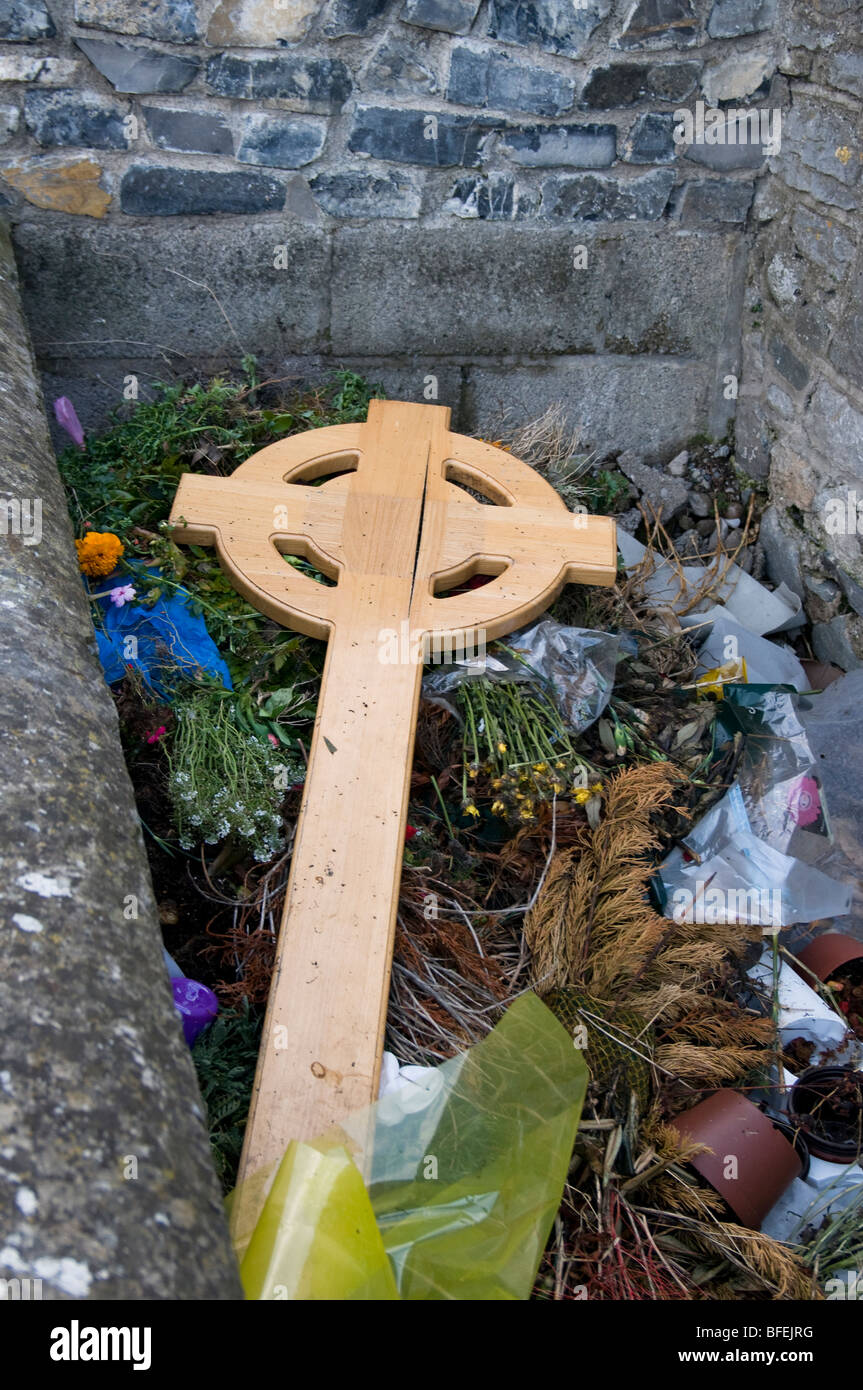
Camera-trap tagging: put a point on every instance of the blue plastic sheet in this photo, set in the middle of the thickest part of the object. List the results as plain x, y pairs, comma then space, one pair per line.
172, 643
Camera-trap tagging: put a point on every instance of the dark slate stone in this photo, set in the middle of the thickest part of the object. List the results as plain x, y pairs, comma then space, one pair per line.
729, 18
24, 20
598, 198
324, 83
651, 140
485, 78
174, 21
419, 137
69, 117
398, 68
788, 365
133, 68
149, 190
547, 146
660, 22
624, 84
737, 151
281, 142
490, 198
561, 26
452, 16
703, 201
352, 17
357, 193
188, 131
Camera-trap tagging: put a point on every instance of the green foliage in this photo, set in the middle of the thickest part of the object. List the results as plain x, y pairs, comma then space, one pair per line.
605, 492
225, 1057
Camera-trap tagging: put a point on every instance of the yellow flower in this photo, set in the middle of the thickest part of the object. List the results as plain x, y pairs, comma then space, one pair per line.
470, 810
99, 553
597, 787
497, 784
540, 767
501, 748
582, 796
498, 808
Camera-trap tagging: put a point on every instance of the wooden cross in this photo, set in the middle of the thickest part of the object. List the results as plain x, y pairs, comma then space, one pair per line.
394, 525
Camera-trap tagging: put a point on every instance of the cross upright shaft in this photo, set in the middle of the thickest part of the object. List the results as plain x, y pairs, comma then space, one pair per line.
393, 529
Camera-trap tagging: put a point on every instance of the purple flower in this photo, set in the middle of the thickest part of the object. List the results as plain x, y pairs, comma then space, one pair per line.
123, 594
65, 413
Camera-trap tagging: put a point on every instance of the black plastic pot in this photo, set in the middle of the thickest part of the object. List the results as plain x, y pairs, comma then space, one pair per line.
826, 1105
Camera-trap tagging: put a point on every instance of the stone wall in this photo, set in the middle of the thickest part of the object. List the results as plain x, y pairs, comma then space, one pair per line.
475, 201
801, 411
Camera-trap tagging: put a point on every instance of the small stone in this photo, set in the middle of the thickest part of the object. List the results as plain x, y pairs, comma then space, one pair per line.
10, 119
630, 520
556, 25
705, 527
417, 137
651, 140
677, 466
70, 117
21, 21
169, 913
686, 522
281, 142
721, 451
175, 21
352, 17
30, 67
357, 193
399, 68
323, 83
700, 504
731, 18
150, 190
60, 183
451, 16
260, 23
667, 496
734, 511
484, 78
133, 68
625, 84
714, 201
736, 77
660, 23
188, 131
599, 198
575, 146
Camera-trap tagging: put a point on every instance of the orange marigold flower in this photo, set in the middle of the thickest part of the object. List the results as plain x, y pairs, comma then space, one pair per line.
99, 553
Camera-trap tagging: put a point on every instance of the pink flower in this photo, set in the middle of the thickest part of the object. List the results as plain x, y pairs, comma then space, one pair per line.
273, 740
65, 413
157, 734
124, 593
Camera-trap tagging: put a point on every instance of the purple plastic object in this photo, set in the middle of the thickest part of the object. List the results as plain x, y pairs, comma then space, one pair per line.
65, 413
196, 1004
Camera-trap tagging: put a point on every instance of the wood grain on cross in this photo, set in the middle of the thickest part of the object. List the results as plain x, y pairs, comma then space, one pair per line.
391, 521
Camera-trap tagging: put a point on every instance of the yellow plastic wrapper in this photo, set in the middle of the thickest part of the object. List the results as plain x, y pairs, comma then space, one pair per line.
714, 682
450, 1188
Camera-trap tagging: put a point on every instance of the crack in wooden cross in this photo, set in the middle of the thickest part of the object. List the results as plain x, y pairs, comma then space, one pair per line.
394, 524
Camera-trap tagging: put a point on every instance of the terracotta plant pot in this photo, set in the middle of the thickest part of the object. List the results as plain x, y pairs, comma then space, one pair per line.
826, 1104
767, 1161
827, 953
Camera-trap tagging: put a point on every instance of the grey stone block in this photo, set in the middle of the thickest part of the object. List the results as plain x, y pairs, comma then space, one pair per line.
419, 137
705, 201
481, 290
10, 119
782, 551
357, 193
69, 117
95, 1069
845, 70
153, 190
546, 146
789, 366
21, 21
173, 20
665, 494
452, 16
833, 423
599, 198
651, 140
823, 241
281, 142
484, 78
643, 404
818, 144
76, 288
556, 25
846, 346
133, 68
489, 197
352, 17
730, 18
660, 23
737, 150
324, 84
625, 84
839, 641
402, 68
191, 131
